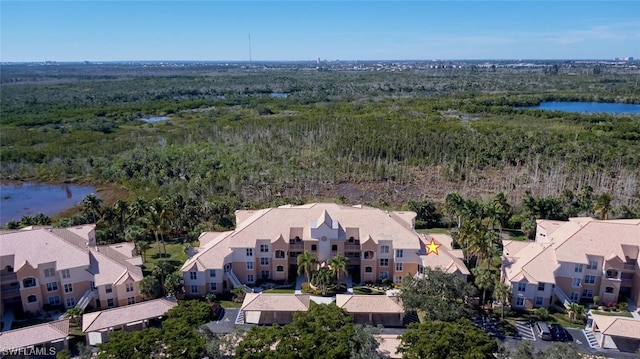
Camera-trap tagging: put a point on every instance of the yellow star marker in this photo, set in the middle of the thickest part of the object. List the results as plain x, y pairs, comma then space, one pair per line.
433, 247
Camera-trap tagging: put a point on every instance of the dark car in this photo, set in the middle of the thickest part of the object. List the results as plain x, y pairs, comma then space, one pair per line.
217, 312
559, 333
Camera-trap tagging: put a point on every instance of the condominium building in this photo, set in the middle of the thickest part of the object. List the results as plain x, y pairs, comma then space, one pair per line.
64, 267
266, 244
574, 261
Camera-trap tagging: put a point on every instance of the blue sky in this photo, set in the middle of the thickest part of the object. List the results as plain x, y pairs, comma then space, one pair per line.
307, 30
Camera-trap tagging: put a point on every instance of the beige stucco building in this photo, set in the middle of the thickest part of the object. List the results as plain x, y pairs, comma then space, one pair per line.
574, 261
266, 243
64, 267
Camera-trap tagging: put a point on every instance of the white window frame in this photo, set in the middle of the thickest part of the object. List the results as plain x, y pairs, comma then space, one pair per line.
398, 279
384, 262
541, 286
399, 253
576, 282
606, 290
49, 272
52, 286
522, 286
129, 287
370, 269
193, 275
384, 275
264, 248
66, 273
68, 288
212, 273
108, 288
590, 279
281, 271
264, 261
539, 301
592, 265
71, 302
384, 249
519, 302
578, 268
398, 267
213, 286
249, 252
111, 303
54, 300
193, 289
131, 300
249, 265
587, 293
574, 296
250, 278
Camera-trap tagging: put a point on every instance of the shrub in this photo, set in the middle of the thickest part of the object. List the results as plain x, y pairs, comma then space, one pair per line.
623, 306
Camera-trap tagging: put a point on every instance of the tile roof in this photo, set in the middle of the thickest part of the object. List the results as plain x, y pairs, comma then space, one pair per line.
213, 254
618, 326
34, 335
110, 267
116, 317
45, 245
276, 302
448, 260
388, 345
354, 303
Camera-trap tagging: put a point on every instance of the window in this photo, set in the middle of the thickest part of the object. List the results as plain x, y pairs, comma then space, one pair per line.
574, 297
399, 253
66, 273
110, 302
249, 252
624, 276
68, 288
71, 302
212, 273
314, 247
368, 255
131, 300
587, 293
608, 290
129, 287
384, 249
368, 269
589, 279
398, 279
265, 274
52, 286
540, 287
279, 253
520, 302
522, 287
264, 248
612, 273
279, 269
384, 262
399, 267
55, 300
193, 275
538, 301
49, 272
108, 288
264, 261
576, 282
578, 268
334, 247
29, 282
384, 275
249, 278
32, 299
194, 289
249, 265
592, 265
213, 287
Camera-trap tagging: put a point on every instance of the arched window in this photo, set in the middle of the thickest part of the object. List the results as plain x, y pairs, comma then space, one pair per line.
612, 273
369, 255
279, 269
32, 299
279, 253
368, 269
29, 282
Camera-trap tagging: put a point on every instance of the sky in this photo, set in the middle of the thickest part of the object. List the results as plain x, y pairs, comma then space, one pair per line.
308, 30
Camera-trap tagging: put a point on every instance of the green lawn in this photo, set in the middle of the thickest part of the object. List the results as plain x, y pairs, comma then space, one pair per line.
175, 254
433, 230
613, 314
367, 291
230, 304
280, 290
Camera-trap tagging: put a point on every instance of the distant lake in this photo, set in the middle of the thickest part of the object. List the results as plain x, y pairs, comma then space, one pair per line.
587, 107
279, 95
155, 119
20, 199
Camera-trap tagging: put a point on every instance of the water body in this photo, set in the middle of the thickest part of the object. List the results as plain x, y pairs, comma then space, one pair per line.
155, 119
21, 199
588, 107
279, 95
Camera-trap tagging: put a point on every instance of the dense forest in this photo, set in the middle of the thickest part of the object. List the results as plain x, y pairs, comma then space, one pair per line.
254, 135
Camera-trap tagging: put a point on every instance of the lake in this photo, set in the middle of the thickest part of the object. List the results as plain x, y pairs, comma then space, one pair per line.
21, 199
587, 107
155, 119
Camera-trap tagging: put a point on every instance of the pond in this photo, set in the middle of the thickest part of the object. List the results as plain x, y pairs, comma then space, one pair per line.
587, 107
21, 199
279, 95
155, 119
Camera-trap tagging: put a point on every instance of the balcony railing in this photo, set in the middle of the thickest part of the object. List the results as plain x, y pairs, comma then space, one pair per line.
296, 245
10, 293
351, 247
8, 277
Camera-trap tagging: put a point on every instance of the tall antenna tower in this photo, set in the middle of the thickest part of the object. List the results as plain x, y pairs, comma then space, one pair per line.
249, 47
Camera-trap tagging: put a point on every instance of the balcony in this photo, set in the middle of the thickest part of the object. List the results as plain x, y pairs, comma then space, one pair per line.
10, 293
9, 277
296, 245
351, 247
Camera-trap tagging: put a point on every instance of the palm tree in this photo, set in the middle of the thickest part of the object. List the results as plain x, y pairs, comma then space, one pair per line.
323, 278
502, 293
307, 263
92, 204
453, 206
484, 280
137, 235
150, 287
484, 245
174, 282
338, 264
121, 209
467, 234
602, 206
577, 311
502, 209
162, 270
74, 314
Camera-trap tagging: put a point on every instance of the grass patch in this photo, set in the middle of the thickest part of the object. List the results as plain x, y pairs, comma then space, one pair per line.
280, 290
230, 304
613, 314
366, 291
175, 254
433, 230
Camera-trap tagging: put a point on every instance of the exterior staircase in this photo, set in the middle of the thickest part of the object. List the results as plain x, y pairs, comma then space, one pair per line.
240, 317
591, 338
86, 298
563, 297
236, 282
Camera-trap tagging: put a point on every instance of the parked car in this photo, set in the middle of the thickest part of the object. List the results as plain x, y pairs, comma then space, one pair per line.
542, 331
217, 312
559, 333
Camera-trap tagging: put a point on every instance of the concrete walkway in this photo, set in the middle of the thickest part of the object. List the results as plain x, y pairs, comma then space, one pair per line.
301, 279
